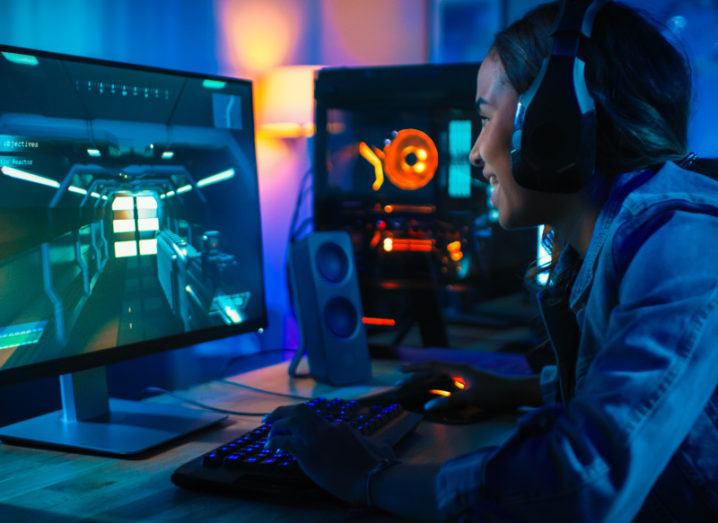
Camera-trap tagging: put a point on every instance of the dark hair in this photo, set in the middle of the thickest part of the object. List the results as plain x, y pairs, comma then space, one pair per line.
640, 83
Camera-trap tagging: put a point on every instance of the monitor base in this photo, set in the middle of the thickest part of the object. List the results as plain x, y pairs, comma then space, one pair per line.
129, 429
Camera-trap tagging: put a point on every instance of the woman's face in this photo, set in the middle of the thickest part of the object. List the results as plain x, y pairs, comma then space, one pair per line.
496, 102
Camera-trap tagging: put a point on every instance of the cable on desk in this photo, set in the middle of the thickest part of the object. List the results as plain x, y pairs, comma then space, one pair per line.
203, 405
264, 391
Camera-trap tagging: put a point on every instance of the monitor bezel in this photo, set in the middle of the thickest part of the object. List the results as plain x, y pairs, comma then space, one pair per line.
110, 355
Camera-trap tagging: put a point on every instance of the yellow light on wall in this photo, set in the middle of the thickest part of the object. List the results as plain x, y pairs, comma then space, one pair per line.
285, 101
257, 35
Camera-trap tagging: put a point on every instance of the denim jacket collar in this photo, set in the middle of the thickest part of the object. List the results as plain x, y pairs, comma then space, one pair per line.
622, 187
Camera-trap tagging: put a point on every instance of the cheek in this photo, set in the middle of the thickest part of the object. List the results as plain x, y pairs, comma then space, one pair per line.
518, 206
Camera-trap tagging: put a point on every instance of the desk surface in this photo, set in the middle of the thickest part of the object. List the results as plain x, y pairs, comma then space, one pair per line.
46, 485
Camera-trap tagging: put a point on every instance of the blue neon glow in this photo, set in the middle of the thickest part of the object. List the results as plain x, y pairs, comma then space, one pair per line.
21, 59
95, 153
459, 167
168, 155
215, 178
29, 177
77, 190
213, 84
542, 257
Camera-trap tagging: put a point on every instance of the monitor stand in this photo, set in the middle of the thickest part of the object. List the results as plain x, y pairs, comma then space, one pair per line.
92, 422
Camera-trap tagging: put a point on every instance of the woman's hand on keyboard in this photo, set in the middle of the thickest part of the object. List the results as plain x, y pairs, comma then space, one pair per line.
334, 455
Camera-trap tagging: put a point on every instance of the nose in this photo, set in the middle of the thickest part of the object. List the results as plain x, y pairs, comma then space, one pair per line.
475, 157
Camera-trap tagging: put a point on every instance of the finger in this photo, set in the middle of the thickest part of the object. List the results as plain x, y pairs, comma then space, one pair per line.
434, 367
285, 435
302, 423
279, 413
424, 366
287, 443
445, 402
414, 377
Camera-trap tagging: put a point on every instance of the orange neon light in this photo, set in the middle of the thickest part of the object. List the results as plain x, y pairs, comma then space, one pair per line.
456, 256
413, 209
371, 157
439, 392
454, 246
384, 322
459, 382
375, 239
388, 244
413, 245
410, 160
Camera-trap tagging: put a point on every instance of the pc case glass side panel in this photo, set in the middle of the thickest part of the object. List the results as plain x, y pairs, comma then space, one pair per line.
440, 243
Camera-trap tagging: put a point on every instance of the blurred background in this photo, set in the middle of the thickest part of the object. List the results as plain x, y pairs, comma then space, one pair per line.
278, 44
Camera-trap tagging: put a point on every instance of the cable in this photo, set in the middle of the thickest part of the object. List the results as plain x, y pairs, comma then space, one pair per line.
203, 405
300, 228
300, 197
264, 391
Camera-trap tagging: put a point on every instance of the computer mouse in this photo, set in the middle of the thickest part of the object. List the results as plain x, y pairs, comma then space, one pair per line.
414, 394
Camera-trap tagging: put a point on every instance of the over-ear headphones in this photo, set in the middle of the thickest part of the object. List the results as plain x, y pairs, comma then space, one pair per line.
553, 145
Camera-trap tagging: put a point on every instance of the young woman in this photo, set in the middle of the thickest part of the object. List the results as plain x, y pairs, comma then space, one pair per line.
627, 422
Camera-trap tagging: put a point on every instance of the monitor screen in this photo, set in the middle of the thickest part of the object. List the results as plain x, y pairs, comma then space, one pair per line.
129, 210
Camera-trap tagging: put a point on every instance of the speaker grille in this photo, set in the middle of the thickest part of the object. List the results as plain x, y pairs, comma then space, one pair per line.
332, 262
341, 317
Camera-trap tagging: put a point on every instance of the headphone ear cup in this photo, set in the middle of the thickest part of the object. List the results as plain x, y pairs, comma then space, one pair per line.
557, 131
553, 145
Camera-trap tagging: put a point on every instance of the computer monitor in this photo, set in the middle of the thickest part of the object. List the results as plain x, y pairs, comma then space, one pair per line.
129, 224
391, 167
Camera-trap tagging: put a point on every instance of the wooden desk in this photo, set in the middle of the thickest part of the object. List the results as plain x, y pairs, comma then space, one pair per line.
46, 485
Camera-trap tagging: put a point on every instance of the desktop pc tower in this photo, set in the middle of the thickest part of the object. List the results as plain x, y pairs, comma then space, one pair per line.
391, 168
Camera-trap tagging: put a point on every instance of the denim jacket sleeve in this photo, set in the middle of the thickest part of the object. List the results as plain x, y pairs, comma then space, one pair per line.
597, 457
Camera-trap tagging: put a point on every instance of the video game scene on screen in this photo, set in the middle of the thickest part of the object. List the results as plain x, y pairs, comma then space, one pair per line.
126, 197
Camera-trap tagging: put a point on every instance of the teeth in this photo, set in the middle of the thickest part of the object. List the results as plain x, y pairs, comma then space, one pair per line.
493, 181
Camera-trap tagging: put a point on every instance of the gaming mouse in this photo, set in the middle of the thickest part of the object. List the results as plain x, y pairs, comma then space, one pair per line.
414, 394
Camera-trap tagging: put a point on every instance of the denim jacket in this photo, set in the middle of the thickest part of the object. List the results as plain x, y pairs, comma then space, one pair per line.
630, 425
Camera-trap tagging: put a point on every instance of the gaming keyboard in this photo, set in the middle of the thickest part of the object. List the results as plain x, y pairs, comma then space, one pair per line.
243, 467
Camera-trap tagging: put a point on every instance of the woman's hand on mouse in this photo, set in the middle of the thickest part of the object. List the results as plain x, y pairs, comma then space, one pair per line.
334, 455
491, 392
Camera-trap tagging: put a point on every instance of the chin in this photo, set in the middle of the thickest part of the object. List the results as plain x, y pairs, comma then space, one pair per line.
513, 220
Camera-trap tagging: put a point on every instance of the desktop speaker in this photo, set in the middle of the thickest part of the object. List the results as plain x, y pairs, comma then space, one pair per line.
328, 308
